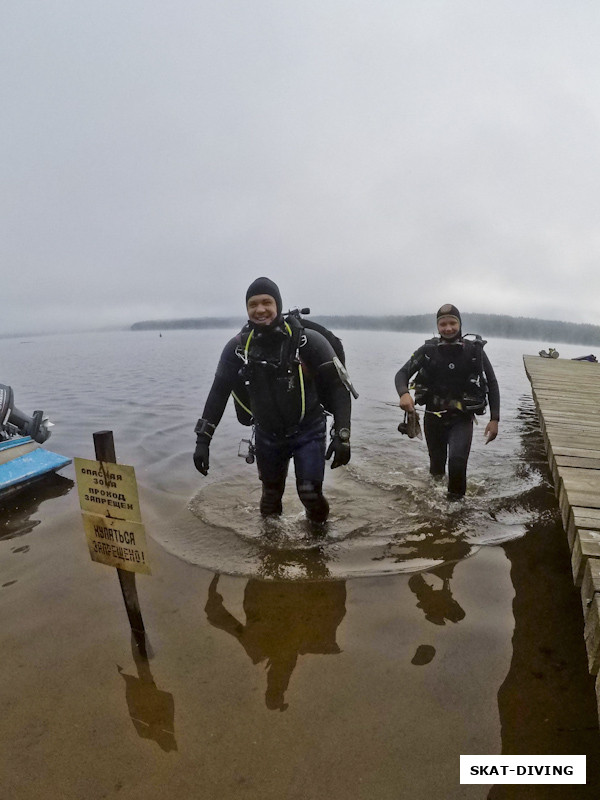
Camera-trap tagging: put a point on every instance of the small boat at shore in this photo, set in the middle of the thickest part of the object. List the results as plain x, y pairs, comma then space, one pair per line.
23, 460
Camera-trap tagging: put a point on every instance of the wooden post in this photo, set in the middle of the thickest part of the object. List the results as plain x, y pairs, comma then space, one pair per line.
105, 451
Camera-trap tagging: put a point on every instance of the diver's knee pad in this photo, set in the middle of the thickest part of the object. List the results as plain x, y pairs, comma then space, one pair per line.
270, 501
311, 495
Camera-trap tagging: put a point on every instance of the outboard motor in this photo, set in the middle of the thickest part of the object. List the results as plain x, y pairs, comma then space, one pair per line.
15, 423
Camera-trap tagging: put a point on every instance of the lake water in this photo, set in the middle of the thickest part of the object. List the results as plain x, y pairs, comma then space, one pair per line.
443, 628
387, 514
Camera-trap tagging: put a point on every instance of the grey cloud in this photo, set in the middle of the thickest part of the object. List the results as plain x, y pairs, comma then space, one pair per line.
372, 157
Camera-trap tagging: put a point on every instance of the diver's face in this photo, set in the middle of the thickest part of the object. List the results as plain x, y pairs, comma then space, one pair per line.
448, 327
262, 309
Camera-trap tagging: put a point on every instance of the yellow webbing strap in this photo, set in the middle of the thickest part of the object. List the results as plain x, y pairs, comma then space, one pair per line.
301, 380
237, 400
300, 376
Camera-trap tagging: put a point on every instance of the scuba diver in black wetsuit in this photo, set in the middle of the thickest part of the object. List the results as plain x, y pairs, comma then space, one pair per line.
454, 380
282, 378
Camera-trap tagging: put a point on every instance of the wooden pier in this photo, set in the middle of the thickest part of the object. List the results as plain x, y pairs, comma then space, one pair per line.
567, 398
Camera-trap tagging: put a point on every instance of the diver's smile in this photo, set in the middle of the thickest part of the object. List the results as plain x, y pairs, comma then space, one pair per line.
262, 309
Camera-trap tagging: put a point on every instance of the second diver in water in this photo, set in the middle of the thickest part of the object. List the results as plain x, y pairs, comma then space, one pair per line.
454, 381
282, 378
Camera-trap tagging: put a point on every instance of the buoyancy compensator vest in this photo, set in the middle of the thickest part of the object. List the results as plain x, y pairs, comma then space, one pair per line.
271, 376
451, 376
282, 361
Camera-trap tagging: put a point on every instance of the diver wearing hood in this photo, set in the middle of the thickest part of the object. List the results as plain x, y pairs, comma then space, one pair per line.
454, 380
282, 378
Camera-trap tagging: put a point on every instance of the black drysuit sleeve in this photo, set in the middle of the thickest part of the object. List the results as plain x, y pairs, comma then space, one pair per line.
406, 372
223, 384
493, 388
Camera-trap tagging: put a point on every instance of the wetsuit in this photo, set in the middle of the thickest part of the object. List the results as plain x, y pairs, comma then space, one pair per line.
285, 378
449, 435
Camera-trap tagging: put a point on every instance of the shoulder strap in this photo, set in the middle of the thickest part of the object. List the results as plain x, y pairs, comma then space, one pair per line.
475, 345
242, 336
295, 329
430, 346
334, 341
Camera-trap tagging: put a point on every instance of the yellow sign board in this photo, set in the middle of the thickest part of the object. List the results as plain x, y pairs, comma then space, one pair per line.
107, 490
117, 543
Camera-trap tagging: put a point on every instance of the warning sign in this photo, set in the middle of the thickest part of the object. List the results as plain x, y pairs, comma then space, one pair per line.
117, 543
107, 490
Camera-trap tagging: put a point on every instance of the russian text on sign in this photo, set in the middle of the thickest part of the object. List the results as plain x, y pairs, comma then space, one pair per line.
107, 489
117, 543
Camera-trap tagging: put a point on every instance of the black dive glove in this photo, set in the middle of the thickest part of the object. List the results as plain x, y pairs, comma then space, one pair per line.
340, 446
201, 455
204, 431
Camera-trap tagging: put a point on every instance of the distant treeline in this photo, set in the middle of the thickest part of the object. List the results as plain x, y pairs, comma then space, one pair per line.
500, 325
194, 322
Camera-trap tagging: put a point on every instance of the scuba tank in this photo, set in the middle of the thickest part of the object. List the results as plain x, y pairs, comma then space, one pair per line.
338, 348
14, 422
333, 340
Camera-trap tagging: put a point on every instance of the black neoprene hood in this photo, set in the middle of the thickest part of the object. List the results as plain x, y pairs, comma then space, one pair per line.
265, 286
448, 310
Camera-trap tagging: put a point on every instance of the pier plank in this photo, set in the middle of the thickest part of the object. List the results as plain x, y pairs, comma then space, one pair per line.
591, 634
576, 452
574, 438
586, 544
581, 493
582, 519
584, 480
586, 517
590, 585
579, 462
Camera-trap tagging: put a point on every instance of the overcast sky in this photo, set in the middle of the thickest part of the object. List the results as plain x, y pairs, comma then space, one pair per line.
370, 156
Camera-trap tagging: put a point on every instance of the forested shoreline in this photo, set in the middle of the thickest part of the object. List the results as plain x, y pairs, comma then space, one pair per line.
504, 326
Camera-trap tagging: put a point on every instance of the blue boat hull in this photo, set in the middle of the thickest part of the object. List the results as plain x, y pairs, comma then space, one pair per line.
23, 462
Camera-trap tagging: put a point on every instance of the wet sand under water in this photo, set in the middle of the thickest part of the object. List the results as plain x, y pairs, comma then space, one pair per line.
364, 688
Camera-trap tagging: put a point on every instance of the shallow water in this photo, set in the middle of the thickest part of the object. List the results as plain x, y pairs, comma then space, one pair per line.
387, 514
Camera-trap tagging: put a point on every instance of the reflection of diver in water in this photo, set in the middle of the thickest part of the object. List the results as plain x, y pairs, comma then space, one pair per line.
284, 619
436, 545
438, 604
152, 711
285, 563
